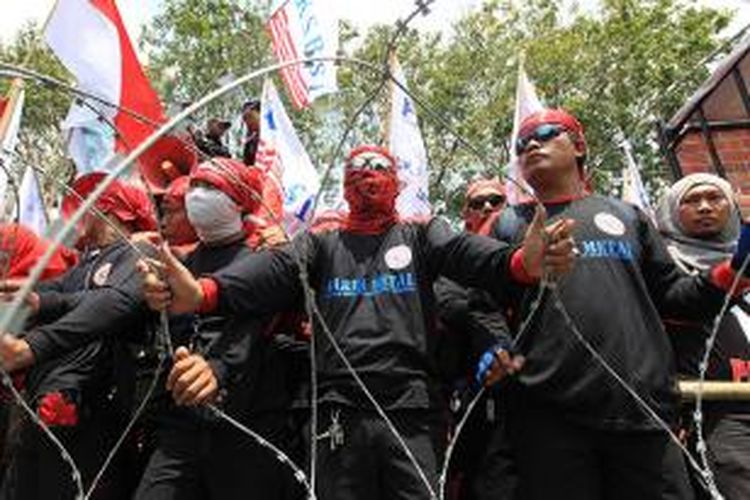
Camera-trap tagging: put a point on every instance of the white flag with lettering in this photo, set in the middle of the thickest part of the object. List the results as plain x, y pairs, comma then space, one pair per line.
303, 29
407, 146
281, 154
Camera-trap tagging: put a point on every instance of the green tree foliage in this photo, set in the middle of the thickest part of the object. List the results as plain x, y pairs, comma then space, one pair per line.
194, 45
621, 70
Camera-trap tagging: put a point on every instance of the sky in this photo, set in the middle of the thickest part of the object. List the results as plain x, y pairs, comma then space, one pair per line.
363, 13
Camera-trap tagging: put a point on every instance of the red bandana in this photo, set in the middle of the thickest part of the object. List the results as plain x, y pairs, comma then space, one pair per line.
244, 184
371, 195
557, 117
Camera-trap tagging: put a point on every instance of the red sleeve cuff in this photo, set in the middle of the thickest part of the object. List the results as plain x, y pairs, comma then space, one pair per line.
518, 271
210, 292
722, 275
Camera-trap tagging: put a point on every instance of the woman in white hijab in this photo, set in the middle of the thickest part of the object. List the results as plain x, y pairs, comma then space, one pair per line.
700, 221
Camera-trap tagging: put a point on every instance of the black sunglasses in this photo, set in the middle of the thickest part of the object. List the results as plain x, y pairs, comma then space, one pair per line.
495, 200
543, 133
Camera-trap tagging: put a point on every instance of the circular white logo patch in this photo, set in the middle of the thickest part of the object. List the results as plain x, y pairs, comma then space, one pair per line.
398, 257
609, 224
101, 274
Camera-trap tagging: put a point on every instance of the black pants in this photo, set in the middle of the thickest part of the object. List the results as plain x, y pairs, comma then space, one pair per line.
38, 472
559, 459
217, 461
368, 463
483, 466
729, 452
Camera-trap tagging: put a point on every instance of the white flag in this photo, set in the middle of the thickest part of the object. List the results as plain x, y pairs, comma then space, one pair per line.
283, 157
633, 190
527, 103
10, 124
302, 29
31, 204
407, 146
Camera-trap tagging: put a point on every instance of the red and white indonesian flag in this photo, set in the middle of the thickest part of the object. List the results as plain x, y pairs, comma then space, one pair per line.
292, 181
91, 40
527, 103
302, 29
11, 108
407, 146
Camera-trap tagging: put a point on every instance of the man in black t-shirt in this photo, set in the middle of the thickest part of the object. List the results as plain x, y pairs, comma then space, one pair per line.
577, 432
372, 278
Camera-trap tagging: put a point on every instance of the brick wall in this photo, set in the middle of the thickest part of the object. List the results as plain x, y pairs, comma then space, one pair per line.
733, 147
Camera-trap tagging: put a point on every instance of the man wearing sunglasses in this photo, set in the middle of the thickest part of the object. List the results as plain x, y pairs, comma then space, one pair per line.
484, 200
482, 466
577, 432
371, 279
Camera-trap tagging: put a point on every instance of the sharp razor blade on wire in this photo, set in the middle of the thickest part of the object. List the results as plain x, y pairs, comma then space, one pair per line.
8, 316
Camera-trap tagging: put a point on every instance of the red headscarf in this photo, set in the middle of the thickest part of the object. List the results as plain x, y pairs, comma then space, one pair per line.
476, 221
128, 203
371, 194
244, 185
235, 179
23, 249
555, 116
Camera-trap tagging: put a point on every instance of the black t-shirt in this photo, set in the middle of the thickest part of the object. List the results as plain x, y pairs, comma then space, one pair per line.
375, 294
622, 281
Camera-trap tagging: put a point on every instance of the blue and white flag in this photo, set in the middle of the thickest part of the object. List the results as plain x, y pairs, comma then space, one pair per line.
407, 146
92, 146
31, 205
285, 160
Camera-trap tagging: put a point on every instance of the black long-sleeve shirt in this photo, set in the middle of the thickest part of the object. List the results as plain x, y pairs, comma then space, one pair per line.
82, 314
375, 294
251, 370
622, 282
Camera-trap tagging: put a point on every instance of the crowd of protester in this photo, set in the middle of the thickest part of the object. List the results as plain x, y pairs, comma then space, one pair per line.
570, 310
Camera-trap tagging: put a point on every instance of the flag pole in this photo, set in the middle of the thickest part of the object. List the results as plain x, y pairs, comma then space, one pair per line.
386, 128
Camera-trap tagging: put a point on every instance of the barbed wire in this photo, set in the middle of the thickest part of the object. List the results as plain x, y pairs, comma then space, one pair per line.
8, 317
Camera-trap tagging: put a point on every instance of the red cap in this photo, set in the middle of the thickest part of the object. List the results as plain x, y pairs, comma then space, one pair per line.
128, 203
240, 182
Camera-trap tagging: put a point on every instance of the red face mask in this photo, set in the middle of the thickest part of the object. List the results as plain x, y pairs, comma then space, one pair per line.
372, 200
370, 188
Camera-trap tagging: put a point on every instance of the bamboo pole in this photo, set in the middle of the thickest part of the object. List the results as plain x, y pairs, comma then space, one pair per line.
714, 390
